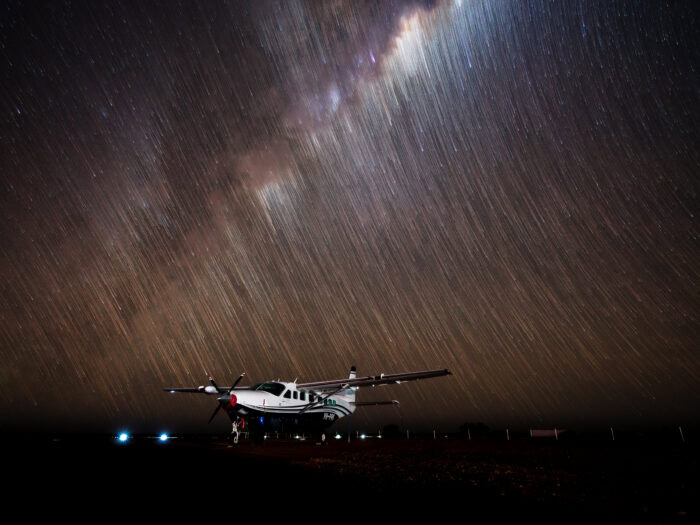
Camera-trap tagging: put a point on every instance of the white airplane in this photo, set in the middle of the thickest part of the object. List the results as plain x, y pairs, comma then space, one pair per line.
291, 407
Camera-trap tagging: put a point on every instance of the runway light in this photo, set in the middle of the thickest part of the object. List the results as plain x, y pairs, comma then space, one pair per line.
363, 436
123, 437
163, 437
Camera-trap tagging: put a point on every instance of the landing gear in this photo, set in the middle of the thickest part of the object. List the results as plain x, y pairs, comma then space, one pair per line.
235, 434
323, 437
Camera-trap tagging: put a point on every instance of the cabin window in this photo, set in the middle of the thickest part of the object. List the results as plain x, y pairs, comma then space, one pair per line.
296, 395
288, 394
312, 397
302, 396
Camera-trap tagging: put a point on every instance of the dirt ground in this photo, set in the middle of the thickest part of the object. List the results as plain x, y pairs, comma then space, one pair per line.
549, 477
545, 480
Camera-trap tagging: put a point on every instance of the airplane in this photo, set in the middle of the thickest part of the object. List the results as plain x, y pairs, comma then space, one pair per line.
296, 407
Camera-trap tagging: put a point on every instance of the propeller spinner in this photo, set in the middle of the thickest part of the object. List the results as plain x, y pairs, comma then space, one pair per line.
232, 396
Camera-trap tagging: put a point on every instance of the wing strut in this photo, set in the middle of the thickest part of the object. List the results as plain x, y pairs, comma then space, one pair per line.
322, 399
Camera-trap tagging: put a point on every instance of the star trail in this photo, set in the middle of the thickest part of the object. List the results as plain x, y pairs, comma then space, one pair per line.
504, 189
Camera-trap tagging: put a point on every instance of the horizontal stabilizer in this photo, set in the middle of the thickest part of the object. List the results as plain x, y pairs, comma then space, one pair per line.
375, 403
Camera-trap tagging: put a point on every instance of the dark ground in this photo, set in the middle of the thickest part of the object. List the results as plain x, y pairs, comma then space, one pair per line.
574, 480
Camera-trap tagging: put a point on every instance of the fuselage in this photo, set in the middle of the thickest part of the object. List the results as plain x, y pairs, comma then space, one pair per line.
280, 406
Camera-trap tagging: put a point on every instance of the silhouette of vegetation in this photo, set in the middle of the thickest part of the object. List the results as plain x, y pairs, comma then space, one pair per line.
391, 431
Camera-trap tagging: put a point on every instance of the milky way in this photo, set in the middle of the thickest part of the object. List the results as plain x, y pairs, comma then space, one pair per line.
504, 189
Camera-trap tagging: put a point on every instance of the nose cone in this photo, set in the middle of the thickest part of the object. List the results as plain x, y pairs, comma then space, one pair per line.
234, 400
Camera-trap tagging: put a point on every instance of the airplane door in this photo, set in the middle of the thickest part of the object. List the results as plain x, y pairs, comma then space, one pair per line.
286, 399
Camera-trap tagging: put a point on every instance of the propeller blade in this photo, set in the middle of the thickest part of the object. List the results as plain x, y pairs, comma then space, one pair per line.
211, 380
237, 381
216, 411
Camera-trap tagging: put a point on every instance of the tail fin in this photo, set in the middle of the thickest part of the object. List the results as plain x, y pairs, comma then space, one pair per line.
349, 393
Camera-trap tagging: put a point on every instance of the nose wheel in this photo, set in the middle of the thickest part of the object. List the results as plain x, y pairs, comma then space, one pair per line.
238, 423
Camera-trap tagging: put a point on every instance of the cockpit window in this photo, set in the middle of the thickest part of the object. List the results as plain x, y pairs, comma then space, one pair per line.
274, 388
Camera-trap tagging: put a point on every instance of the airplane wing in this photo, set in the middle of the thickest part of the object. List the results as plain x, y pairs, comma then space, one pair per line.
202, 390
211, 389
193, 390
382, 379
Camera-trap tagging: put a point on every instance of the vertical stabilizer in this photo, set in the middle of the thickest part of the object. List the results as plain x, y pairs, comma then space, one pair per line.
349, 393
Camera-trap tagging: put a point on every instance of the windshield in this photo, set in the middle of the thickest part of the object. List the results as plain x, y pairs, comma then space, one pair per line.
273, 388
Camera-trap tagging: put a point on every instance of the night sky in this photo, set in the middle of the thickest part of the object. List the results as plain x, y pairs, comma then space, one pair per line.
505, 189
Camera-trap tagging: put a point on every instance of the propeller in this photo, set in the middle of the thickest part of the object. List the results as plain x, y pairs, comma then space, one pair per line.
237, 381
223, 391
216, 411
